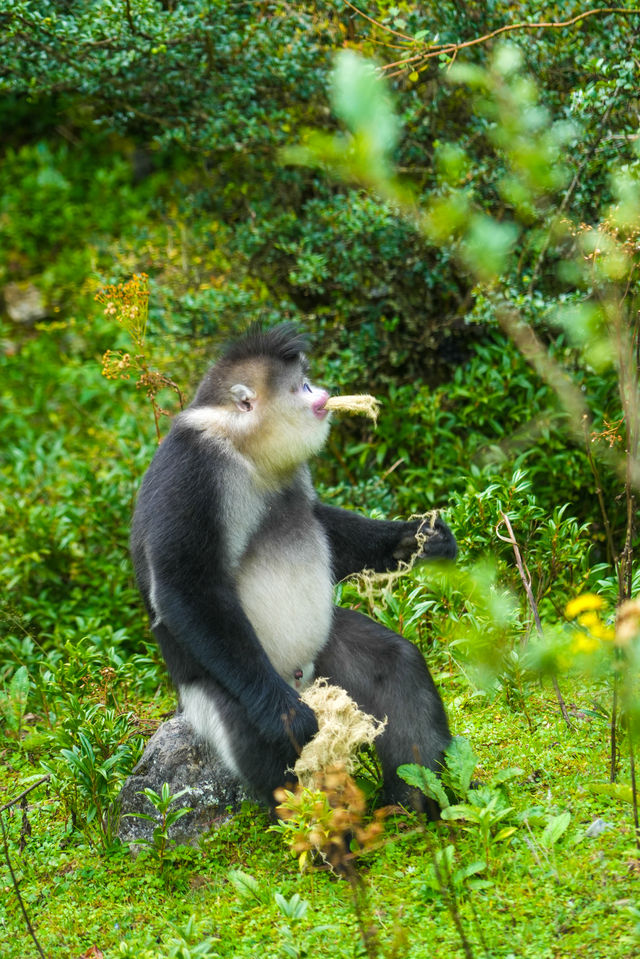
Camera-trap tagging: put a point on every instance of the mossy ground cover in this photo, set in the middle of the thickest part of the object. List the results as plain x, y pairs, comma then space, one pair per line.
577, 894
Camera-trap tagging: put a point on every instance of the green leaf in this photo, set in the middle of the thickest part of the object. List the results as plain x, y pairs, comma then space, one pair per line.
461, 762
176, 814
19, 685
471, 870
461, 811
361, 99
505, 833
294, 908
556, 827
426, 781
613, 790
487, 246
504, 775
246, 886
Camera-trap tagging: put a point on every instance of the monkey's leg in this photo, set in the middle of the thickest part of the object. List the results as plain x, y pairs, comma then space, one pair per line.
223, 723
387, 676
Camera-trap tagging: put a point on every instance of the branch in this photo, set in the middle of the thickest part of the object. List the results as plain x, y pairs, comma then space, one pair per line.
534, 351
525, 576
452, 49
376, 23
129, 18
572, 186
12, 802
15, 881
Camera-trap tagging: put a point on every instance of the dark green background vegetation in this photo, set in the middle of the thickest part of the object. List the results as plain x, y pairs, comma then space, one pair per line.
148, 137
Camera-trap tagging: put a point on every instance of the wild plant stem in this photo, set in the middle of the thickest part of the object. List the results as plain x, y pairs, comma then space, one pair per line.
17, 888
634, 785
613, 735
446, 884
25, 792
366, 928
525, 576
611, 550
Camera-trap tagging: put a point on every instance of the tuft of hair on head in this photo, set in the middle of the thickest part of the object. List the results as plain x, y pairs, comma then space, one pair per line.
283, 342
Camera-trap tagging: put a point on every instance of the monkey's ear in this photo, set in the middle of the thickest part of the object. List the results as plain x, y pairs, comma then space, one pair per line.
243, 397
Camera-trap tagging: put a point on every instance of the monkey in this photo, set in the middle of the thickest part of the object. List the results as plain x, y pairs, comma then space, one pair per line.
236, 559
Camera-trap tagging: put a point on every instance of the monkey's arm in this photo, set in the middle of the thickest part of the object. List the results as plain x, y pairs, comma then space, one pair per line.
358, 542
207, 633
182, 564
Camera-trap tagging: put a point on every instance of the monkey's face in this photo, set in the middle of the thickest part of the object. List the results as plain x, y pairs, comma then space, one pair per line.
267, 409
283, 419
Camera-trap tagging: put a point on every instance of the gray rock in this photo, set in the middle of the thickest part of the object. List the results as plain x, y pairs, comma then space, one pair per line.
24, 303
174, 755
596, 828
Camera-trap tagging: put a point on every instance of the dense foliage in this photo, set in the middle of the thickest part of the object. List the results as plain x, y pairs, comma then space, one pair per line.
462, 242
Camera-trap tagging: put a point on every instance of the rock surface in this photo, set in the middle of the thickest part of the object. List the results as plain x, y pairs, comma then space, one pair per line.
175, 756
24, 303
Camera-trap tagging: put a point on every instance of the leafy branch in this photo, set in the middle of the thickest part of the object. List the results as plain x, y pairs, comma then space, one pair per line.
128, 303
449, 51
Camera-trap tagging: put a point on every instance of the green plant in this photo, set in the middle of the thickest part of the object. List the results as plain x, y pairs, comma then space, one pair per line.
128, 303
100, 749
247, 886
293, 908
13, 701
328, 823
187, 942
164, 819
483, 807
444, 872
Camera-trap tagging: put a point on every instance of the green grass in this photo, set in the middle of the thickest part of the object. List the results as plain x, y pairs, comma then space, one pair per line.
573, 897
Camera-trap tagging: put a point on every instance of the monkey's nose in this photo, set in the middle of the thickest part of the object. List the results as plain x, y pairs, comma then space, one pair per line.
319, 403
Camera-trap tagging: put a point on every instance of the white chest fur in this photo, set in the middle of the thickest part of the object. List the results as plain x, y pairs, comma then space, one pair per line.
287, 594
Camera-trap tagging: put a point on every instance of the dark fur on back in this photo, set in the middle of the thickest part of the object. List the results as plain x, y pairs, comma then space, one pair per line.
283, 342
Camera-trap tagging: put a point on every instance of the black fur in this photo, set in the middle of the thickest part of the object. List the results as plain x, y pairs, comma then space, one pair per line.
189, 547
283, 342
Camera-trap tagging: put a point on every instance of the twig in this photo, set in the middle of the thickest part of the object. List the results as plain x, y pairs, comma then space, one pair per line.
569, 192
634, 788
377, 23
12, 802
15, 882
613, 739
536, 354
452, 49
367, 929
613, 556
525, 576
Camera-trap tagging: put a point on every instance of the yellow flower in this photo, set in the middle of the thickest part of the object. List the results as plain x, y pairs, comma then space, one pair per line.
584, 644
589, 620
582, 604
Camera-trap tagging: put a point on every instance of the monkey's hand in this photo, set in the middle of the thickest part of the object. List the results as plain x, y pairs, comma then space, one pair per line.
423, 539
300, 725
284, 718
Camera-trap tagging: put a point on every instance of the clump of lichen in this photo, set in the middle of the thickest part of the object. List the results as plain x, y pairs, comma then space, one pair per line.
360, 403
342, 730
